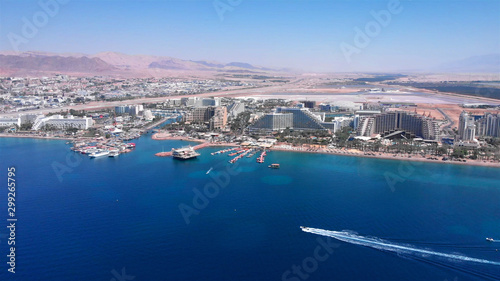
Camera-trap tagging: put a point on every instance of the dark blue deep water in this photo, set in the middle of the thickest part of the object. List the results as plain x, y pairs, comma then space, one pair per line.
114, 219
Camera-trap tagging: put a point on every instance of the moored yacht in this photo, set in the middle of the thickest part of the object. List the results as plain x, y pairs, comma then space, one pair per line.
99, 154
184, 153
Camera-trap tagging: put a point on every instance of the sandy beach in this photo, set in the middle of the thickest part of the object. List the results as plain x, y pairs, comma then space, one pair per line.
2, 135
345, 152
382, 155
166, 136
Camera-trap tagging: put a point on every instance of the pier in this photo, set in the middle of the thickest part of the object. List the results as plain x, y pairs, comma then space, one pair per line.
245, 152
261, 157
224, 151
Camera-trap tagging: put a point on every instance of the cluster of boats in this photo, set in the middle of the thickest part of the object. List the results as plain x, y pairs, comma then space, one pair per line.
96, 150
251, 154
224, 151
241, 153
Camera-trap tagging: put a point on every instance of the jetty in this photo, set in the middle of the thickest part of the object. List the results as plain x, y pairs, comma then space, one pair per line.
224, 151
245, 152
261, 157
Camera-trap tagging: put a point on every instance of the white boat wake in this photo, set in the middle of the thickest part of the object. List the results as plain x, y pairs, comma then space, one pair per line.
390, 246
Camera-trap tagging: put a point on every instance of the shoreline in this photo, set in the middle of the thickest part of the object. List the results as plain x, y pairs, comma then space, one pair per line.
34, 137
163, 136
351, 152
389, 157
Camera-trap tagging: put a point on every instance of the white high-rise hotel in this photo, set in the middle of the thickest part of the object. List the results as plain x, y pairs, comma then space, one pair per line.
388, 122
487, 125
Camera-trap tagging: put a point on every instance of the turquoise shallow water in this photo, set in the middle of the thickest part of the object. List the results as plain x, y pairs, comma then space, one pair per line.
103, 217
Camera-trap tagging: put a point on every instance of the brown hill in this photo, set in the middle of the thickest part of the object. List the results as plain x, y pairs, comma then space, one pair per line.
37, 64
112, 63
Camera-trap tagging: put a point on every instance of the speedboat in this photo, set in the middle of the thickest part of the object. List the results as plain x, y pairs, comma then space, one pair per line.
490, 239
305, 228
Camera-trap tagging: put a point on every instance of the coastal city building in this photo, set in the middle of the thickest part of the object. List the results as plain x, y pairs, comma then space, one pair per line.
302, 118
200, 114
10, 121
470, 126
297, 118
148, 115
341, 106
206, 114
272, 122
326, 107
235, 108
399, 122
338, 123
61, 122
466, 127
130, 109
207, 102
489, 125
219, 120
308, 103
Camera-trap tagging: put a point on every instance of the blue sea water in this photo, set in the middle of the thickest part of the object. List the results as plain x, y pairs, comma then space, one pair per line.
118, 218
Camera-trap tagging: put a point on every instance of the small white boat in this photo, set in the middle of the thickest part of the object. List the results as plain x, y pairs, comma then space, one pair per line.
209, 170
490, 239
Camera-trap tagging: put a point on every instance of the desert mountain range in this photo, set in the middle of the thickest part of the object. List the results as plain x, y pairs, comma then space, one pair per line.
112, 63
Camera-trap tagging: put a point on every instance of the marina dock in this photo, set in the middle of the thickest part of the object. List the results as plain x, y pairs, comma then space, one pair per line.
261, 157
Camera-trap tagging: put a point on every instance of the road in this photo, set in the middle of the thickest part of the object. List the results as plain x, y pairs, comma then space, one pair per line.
450, 123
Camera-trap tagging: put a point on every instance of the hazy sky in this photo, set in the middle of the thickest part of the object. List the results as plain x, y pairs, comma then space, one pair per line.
302, 34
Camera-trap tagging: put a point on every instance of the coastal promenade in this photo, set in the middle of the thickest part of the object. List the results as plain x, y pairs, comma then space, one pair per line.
332, 151
166, 136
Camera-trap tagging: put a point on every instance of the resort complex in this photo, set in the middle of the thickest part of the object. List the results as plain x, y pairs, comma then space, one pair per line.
363, 126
